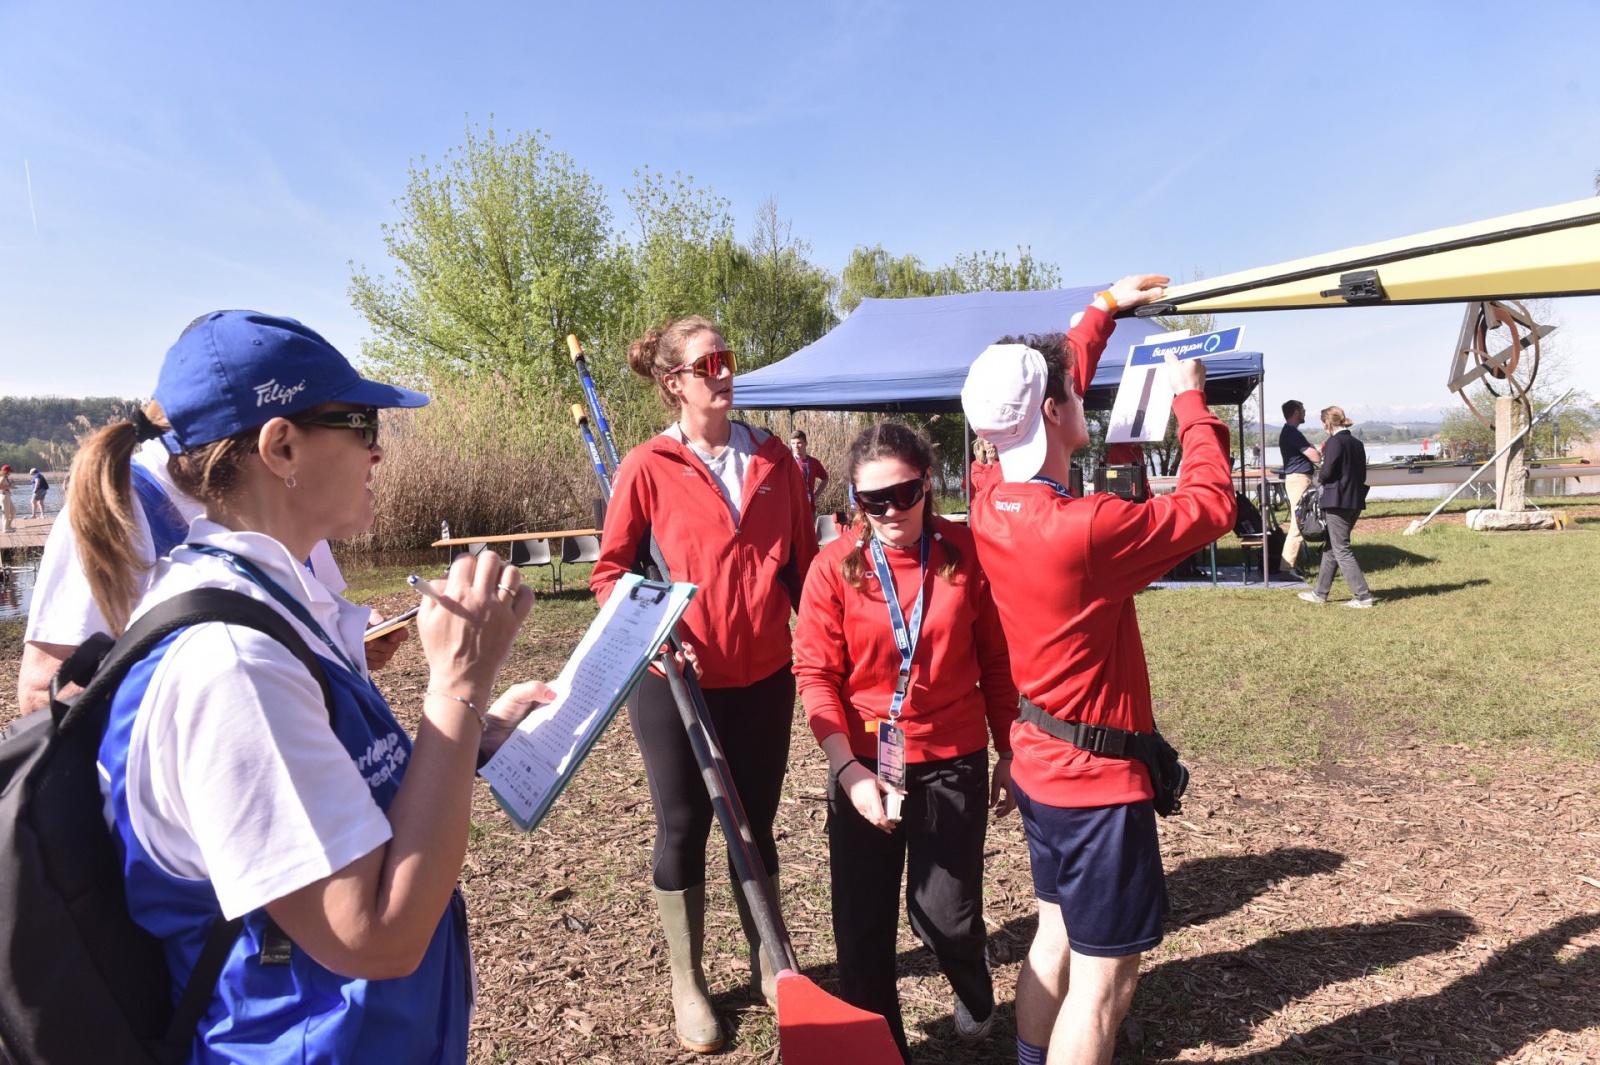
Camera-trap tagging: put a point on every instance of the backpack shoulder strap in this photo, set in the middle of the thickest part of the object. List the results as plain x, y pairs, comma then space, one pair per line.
108, 667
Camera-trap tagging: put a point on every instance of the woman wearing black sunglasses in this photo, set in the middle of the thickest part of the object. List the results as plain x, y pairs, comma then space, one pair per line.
726, 503
924, 670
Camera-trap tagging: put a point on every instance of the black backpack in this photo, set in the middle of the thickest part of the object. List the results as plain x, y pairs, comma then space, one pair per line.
1308, 515
82, 982
1246, 516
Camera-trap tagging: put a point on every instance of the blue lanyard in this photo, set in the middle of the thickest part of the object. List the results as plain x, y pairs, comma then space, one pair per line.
805, 475
1061, 489
252, 572
905, 639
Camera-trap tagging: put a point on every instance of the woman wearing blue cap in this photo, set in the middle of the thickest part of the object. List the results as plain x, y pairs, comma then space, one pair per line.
234, 788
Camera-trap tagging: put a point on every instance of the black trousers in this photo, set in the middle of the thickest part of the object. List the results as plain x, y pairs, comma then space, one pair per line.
752, 724
941, 833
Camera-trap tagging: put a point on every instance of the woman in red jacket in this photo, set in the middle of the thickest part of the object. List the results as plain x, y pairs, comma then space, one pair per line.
725, 502
851, 660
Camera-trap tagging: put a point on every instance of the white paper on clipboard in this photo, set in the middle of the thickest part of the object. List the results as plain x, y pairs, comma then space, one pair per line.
538, 760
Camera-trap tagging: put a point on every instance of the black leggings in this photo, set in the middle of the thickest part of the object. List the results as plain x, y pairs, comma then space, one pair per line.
753, 726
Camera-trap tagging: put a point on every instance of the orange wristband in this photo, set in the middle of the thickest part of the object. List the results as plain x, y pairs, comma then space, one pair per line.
1111, 301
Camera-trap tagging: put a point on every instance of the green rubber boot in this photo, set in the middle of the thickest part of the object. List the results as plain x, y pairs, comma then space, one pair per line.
763, 967
683, 918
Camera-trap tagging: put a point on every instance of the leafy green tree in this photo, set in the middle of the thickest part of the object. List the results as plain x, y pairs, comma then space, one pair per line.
499, 252
993, 271
779, 300
874, 273
682, 261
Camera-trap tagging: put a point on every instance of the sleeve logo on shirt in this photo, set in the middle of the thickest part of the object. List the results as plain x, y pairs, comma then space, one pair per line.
273, 392
383, 759
1008, 506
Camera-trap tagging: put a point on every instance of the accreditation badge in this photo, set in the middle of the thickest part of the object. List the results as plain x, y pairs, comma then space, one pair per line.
892, 764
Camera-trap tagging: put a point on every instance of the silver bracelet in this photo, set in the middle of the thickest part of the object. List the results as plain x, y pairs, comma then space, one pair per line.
483, 719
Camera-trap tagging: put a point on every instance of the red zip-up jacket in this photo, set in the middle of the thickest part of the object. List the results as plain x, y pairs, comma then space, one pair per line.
749, 574
846, 662
1064, 573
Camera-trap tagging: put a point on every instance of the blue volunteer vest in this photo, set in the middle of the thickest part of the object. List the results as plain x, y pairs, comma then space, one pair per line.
299, 1012
167, 527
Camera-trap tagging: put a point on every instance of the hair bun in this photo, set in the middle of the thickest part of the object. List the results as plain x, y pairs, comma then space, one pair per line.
642, 353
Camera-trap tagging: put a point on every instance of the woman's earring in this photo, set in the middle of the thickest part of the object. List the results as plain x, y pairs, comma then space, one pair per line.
290, 482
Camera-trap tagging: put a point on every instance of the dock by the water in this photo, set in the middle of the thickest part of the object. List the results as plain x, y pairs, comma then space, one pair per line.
27, 541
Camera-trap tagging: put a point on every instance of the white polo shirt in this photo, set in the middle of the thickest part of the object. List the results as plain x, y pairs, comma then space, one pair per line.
233, 771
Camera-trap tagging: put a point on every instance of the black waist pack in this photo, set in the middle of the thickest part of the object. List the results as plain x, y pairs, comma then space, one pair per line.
1169, 777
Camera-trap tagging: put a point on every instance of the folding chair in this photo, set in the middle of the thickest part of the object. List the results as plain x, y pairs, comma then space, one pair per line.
827, 530
580, 549
525, 553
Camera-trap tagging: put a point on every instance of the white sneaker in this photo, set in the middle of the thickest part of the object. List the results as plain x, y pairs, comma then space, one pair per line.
1360, 604
1313, 597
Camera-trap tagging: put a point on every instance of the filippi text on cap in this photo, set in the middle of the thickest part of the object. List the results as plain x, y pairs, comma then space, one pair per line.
273, 392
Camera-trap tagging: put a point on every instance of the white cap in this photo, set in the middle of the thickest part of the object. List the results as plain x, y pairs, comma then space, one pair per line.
1003, 398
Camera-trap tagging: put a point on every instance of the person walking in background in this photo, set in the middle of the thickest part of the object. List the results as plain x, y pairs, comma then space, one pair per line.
8, 508
234, 787
812, 470
1065, 572
41, 488
948, 699
727, 507
1344, 495
1299, 466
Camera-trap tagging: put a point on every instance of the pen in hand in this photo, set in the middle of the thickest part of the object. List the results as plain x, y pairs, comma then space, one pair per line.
422, 587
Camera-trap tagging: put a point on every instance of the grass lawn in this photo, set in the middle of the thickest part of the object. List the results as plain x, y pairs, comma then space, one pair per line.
1476, 639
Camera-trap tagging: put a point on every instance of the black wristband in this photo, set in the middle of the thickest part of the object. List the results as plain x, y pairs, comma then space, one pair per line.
840, 772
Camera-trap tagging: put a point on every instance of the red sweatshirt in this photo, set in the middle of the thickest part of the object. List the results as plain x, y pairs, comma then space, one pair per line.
846, 662
1064, 573
749, 574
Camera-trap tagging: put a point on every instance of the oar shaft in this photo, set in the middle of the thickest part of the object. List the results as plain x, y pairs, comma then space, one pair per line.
600, 471
575, 349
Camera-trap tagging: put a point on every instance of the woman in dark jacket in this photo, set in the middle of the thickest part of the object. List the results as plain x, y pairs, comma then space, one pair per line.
1343, 478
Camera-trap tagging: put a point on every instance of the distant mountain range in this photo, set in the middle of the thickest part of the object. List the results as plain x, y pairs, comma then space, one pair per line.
1373, 432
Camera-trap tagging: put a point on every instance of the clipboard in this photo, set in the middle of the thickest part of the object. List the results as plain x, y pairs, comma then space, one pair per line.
540, 757
384, 628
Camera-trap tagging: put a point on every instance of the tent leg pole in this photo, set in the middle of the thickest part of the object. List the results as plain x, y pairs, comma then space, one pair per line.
970, 453
1261, 428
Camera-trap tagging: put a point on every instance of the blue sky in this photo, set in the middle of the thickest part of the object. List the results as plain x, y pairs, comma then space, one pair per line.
185, 157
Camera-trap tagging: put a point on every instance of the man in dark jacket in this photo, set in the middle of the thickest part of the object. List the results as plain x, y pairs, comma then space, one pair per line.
1344, 494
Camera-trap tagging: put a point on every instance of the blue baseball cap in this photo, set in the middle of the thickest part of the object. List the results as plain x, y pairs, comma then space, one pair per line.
234, 370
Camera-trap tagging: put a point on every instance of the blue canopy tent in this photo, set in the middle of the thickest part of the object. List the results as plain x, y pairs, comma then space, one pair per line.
912, 355
900, 355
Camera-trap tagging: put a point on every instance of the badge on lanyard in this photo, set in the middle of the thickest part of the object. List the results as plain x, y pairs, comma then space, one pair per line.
891, 737
892, 765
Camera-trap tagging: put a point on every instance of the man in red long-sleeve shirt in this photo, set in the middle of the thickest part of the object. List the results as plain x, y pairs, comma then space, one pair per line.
1063, 573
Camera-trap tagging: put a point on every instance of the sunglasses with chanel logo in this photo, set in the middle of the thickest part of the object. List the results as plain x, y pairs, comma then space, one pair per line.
902, 496
364, 422
711, 364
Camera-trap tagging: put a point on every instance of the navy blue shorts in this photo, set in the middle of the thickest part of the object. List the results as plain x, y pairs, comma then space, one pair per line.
1102, 866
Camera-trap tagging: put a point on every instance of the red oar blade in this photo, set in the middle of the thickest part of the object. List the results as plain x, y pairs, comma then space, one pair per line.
815, 1028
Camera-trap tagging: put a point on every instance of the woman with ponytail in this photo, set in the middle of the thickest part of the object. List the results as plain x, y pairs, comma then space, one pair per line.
957, 696
129, 523
234, 786
726, 504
